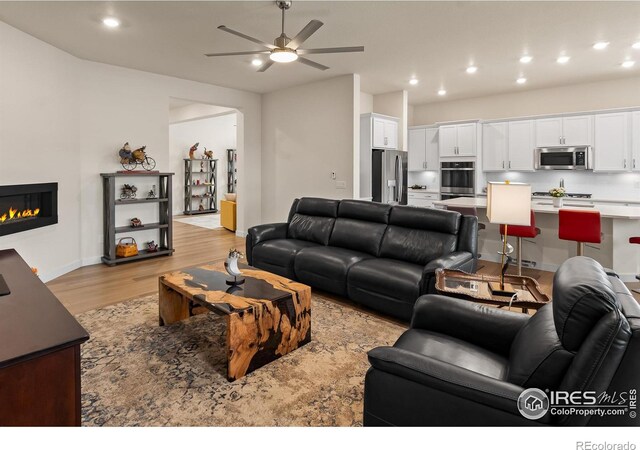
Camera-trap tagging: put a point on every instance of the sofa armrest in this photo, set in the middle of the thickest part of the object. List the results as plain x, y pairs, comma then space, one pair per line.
447, 378
456, 260
261, 233
490, 328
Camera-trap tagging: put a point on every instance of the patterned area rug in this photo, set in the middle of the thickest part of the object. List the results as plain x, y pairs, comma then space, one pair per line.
210, 221
135, 373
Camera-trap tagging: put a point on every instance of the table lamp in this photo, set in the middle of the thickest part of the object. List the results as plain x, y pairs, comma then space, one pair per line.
507, 204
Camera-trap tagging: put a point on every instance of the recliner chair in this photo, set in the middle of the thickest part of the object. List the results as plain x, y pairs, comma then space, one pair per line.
465, 364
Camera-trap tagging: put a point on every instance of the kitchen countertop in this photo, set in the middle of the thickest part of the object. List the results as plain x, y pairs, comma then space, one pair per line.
425, 191
545, 206
587, 200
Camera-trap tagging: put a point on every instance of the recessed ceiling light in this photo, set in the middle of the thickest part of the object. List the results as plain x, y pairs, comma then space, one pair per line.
636, 45
472, 69
600, 45
526, 59
628, 64
256, 62
413, 81
442, 92
111, 22
521, 80
563, 59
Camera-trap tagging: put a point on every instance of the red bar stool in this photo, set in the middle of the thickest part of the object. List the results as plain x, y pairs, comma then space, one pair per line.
635, 240
521, 231
580, 226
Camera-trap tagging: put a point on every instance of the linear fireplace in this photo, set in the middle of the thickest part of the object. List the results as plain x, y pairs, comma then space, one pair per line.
27, 206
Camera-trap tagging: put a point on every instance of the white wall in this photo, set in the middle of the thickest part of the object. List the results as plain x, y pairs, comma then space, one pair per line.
395, 104
366, 103
196, 111
39, 143
213, 133
578, 97
307, 133
68, 118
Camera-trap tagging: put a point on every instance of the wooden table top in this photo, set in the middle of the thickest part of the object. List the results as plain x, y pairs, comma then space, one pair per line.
207, 284
33, 322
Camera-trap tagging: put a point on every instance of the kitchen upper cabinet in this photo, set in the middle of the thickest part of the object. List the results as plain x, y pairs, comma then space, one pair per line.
417, 149
571, 130
423, 149
494, 146
635, 140
385, 133
458, 140
612, 146
521, 145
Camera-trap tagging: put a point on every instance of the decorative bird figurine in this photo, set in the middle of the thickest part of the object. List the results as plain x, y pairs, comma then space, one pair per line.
208, 153
193, 150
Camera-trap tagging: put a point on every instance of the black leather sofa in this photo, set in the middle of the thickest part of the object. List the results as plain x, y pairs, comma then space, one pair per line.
378, 255
464, 364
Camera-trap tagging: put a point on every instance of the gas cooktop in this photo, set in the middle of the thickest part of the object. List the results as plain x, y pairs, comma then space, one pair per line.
569, 194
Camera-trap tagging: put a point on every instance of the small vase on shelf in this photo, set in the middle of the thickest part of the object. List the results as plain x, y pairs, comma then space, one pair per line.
557, 202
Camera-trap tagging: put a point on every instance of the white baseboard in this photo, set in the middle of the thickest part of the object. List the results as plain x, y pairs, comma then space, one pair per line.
59, 271
241, 233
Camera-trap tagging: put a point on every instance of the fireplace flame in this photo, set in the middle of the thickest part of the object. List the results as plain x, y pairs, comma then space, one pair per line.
14, 214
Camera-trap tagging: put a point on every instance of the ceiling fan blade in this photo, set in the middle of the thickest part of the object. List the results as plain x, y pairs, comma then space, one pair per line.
311, 51
265, 66
266, 52
244, 36
308, 62
304, 34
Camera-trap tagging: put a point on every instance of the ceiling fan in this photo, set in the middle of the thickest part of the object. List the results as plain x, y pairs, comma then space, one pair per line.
285, 49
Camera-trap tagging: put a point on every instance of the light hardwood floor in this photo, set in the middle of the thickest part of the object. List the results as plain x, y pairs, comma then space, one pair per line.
95, 286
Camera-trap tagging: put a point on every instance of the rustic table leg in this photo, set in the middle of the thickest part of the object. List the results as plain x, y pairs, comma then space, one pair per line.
172, 306
266, 332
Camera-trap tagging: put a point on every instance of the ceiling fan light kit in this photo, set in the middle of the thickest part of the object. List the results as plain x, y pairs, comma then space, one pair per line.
284, 49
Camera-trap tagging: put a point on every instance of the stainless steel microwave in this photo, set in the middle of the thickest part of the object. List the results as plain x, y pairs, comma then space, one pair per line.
564, 158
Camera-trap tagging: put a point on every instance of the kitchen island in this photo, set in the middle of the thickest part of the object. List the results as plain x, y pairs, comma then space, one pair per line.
547, 252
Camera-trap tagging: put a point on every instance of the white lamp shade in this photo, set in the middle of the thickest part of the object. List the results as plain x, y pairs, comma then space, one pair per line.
509, 203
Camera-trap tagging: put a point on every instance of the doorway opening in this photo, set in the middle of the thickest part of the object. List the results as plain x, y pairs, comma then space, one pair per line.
203, 156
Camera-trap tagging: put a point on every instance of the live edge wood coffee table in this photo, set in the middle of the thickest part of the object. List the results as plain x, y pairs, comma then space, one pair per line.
267, 317
475, 287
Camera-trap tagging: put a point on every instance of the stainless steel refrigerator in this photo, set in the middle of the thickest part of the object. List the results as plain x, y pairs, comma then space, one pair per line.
389, 176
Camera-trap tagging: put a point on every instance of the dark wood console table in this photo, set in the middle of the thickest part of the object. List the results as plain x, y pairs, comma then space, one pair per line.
39, 352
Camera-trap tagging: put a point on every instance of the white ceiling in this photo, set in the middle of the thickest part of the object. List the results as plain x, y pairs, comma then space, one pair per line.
434, 41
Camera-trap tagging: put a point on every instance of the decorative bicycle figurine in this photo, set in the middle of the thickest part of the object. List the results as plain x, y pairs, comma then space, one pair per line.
130, 159
128, 192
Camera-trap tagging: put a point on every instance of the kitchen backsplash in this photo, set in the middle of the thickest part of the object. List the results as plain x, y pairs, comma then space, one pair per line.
425, 178
604, 185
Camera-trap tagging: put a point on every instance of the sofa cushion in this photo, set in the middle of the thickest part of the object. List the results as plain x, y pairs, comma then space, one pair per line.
537, 357
582, 295
327, 267
358, 235
278, 255
415, 245
363, 210
430, 219
321, 207
393, 278
453, 351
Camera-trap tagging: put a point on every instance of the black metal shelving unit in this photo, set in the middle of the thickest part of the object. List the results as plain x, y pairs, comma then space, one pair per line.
164, 224
200, 186
232, 170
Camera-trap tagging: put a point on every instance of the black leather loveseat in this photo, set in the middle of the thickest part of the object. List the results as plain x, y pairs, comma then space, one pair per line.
378, 255
464, 364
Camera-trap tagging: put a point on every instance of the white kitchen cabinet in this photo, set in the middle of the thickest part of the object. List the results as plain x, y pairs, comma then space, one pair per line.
520, 146
635, 140
612, 146
423, 149
417, 149
385, 133
570, 130
458, 140
494, 146
422, 199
